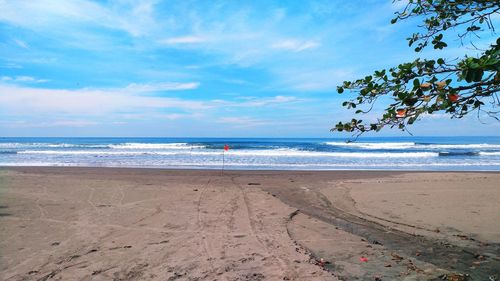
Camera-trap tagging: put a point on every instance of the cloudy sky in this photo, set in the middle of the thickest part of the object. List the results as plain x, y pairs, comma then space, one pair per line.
196, 68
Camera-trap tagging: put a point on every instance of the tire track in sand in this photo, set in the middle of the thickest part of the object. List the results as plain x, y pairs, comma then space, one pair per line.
264, 243
201, 228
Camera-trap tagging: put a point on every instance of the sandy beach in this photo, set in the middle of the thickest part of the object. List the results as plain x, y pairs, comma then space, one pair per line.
154, 224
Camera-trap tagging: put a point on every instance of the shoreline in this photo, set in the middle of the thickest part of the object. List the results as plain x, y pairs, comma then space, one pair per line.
245, 170
328, 207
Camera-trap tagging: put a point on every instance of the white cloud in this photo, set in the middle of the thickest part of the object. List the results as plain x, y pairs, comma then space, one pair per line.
248, 121
281, 99
135, 19
21, 44
69, 123
175, 116
257, 102
183, 40
47, 124
242, 121
21, 79
295, 45
75, 123
435, 116
158, 87
160, 116
12, 65
81, 107
276, 42
20, 100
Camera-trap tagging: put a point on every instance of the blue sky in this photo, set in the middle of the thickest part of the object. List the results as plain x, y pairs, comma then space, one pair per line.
197, 68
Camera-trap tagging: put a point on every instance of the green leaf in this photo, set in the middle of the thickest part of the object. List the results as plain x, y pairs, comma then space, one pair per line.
478, 75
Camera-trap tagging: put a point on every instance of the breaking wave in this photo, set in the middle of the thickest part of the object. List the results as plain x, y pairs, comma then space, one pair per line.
412, 145
496, 153
368, 145
134, 145
262, 153
51, 145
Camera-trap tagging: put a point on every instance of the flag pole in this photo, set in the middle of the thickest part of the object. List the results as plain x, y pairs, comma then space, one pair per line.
223, 160
226, 148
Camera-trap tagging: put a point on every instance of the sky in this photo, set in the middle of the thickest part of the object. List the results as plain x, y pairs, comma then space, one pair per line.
199, 68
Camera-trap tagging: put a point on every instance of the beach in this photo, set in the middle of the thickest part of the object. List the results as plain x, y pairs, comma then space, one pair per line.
68, 223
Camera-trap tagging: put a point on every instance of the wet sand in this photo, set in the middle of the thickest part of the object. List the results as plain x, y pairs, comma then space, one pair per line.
151, 224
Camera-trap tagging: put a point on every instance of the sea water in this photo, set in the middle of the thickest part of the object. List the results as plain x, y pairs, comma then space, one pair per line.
410, 153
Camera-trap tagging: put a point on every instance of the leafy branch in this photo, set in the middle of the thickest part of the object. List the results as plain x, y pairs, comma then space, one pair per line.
424, 86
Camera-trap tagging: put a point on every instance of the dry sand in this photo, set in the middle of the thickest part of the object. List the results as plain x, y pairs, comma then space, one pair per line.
147, 224
452, 204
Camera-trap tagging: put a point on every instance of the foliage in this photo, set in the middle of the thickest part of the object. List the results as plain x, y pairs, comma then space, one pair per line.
426, 86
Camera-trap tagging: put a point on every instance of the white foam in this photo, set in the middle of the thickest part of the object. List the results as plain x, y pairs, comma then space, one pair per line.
496, 153
91, 152
246, 153
13, 144
35, 164
316, 166
6, 145
409, 145
298, 153
70, 145
369, 145
133, 145
52, 145
115, 146
350, 165
461, 146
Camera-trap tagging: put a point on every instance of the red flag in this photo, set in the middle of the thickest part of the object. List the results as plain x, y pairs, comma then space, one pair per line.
226, 147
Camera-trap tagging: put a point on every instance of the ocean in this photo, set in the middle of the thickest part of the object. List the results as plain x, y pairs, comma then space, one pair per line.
408, 153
